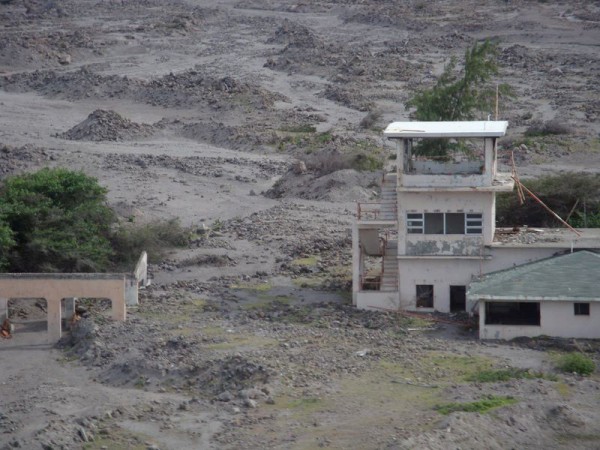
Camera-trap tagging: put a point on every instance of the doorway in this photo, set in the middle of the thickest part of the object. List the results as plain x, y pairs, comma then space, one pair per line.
458, 298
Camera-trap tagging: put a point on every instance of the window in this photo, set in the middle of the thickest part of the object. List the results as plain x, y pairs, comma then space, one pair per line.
455, 223
512, 313
474, 223
582, 309
444, 223
424, 295
434, 223
414, 223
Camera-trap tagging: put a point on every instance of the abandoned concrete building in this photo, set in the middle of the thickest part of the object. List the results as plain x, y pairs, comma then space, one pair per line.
433, 230
60, 291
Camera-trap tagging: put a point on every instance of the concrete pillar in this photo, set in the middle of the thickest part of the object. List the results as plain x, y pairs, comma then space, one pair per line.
131, 291
3, 309
355, 263
54, 319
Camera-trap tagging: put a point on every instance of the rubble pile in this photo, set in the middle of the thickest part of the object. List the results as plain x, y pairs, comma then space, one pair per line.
103, 125
184, 89
15, 159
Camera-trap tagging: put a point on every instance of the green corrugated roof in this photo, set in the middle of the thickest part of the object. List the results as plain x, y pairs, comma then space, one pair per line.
574, 276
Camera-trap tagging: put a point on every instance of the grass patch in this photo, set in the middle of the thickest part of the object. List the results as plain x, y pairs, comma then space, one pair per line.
563, 389
480, 406
304, 128
576, 363
496, 375
235, 341
256, 287
308, 261
267, 301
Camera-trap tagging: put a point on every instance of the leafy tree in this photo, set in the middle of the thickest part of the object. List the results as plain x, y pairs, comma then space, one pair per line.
54, 220
459, 94
6, 242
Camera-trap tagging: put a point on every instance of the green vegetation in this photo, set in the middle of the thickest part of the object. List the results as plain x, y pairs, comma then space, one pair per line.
480, 406
495, 375
57, 220
54, 220
573, 196
305, 128
459, 94
130, 240
576, 363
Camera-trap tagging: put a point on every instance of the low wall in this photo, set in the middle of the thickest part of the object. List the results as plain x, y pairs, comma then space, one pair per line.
54, 287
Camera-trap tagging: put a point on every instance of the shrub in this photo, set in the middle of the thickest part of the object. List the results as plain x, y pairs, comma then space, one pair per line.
547, 128
326, 162
576, 363
370, 119
155, 237
561, 193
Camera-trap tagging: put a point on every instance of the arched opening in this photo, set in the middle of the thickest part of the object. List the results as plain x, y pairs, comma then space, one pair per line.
29, 319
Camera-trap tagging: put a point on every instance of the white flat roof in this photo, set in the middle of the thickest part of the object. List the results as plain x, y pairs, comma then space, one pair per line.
482, 128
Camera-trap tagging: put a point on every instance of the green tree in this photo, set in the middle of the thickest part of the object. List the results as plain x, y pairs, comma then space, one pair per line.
54, 220
6, 243
459, 93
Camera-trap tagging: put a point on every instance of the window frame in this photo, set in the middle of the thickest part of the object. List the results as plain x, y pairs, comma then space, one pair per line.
581, 308
473, 223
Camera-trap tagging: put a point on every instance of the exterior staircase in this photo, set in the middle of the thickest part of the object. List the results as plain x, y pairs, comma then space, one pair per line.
389, 277
389, 198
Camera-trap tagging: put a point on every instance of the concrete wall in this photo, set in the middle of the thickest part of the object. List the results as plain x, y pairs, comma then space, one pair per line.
556, 319
54, 287
445, 202
445, 272
377, 300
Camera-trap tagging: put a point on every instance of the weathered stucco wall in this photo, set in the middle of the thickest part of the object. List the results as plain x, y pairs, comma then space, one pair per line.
445, 202
55, 287
377, 300
556, 319
443, 273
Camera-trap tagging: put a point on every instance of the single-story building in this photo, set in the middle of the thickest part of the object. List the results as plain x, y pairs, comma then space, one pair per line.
557, 296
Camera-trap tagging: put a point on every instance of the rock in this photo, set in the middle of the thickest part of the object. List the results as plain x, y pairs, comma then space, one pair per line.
225, 396
82, 434
249, 403
64, 59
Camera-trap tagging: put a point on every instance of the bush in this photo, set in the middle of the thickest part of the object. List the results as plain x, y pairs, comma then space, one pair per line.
561, 193
326, 162
370, 119
552, 127
54, 220
576, 363
129, 240
493, 376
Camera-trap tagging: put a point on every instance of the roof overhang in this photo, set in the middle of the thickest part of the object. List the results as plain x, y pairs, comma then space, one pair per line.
483, 128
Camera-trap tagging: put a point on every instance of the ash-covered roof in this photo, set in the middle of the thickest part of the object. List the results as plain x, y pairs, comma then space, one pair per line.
574, 276
482, 128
